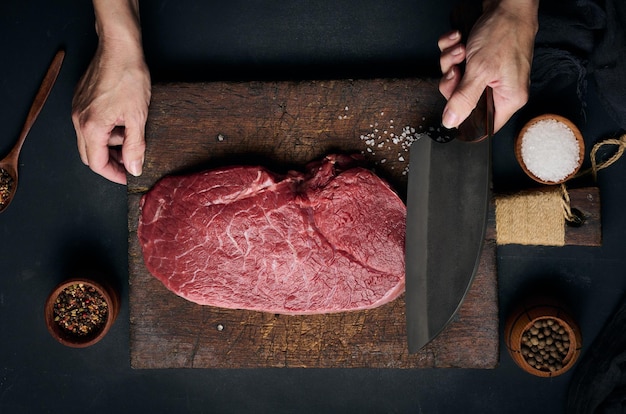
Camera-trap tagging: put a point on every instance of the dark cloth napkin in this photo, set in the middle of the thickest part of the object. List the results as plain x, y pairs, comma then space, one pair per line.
580, 40
599, 382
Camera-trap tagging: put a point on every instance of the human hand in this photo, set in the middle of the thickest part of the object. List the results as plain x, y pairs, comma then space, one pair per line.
110, 104
498, 54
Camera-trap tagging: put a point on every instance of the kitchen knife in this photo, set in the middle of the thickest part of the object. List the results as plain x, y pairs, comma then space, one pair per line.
447, 202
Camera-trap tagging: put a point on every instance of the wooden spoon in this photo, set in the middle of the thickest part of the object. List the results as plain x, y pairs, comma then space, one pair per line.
8, 165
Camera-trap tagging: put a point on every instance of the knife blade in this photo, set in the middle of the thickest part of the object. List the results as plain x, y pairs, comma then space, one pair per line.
447, 203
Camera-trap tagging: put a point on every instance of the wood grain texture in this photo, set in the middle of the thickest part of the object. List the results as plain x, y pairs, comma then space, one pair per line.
284, 125
587, 201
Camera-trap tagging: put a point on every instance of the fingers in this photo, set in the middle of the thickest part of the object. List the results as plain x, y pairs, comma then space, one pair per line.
452, 51
134, 148
110, 142
449, 39
80, 139
462, 101
99, 155
462, 91
450, 81
99, 149
464, 97
99, 143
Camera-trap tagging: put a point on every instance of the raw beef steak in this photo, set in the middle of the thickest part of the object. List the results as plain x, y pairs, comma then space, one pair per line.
330, 240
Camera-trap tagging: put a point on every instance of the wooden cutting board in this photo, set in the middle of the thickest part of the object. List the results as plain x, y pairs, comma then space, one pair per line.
284, 125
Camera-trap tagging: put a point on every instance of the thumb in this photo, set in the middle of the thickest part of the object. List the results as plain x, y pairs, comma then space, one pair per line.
462, 101
133, 149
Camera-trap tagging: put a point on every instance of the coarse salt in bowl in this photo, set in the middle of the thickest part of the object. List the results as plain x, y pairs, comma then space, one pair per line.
550, 149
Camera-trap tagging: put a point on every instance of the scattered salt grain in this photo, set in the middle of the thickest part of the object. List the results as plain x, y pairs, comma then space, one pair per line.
550, 150
220, 137
383, 138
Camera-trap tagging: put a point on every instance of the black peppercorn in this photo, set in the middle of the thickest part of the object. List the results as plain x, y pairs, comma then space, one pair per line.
546, 344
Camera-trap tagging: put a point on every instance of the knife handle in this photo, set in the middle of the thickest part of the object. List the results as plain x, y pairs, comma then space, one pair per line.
479, 124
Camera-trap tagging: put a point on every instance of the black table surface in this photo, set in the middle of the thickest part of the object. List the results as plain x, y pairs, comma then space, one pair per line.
64, 212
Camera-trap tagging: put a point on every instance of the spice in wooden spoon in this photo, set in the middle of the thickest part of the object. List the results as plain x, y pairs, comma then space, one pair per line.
6, 186
8, 166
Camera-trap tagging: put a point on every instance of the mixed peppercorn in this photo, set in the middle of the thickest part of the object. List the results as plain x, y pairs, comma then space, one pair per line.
80, 309
6, 186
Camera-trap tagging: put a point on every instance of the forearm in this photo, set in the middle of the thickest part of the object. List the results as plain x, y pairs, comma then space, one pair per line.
514, 23
523, 10
118, 24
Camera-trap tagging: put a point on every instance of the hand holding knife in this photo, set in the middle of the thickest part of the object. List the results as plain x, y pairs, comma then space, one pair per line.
496, 39
480, 123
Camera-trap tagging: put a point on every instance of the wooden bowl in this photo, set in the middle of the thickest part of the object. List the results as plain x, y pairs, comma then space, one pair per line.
82, 340
570, 125
524, 319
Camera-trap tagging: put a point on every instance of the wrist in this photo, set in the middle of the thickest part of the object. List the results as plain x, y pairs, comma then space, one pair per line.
524, 12
522, 8
118, 24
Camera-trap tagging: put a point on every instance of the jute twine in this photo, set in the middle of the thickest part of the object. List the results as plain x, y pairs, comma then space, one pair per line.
533, 217
596, 166
538, 217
